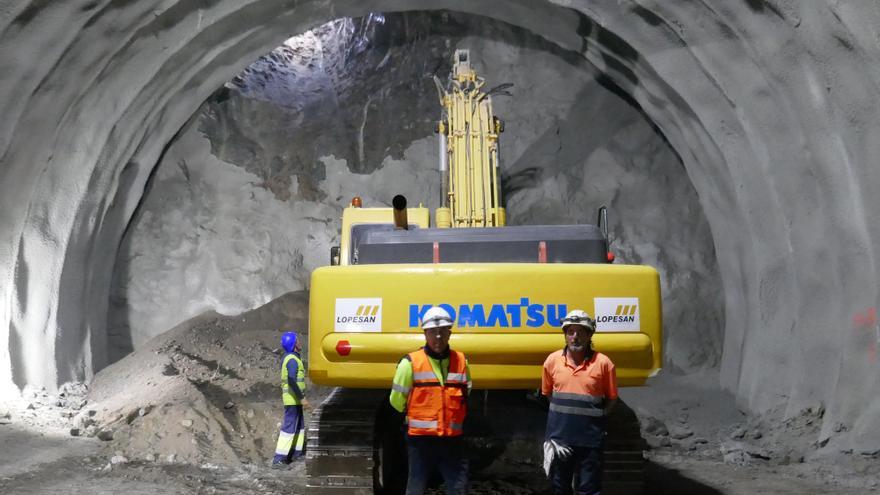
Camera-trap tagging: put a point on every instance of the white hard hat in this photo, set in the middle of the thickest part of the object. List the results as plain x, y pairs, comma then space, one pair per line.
579, 317
436, 317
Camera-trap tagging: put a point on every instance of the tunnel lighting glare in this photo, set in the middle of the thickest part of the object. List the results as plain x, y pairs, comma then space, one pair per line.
295, 74
336, 29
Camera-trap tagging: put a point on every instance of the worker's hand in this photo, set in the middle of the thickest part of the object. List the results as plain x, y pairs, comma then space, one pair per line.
306, 404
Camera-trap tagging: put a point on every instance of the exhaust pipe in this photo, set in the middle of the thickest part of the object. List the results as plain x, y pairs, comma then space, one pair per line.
399, 204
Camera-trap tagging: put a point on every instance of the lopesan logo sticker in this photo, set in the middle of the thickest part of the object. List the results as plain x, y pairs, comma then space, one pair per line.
358, 315
617, 314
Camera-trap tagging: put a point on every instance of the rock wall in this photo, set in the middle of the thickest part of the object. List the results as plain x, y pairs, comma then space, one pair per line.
771, 106
247, 201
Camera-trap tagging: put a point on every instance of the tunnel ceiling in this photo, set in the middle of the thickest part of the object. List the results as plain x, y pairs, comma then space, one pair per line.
771, 106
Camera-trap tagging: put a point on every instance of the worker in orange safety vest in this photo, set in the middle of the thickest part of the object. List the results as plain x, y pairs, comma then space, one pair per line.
431, 386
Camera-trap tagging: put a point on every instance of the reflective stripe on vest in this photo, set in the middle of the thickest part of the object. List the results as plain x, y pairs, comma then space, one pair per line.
434, 409
287, 396
425, 376
400, 388
577, 404
416, 423
456, 377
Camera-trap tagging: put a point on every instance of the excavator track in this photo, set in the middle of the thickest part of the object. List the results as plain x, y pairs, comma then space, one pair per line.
355, 445
624, 453
339, 439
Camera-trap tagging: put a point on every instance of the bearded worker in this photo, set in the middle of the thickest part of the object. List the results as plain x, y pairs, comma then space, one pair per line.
581, 385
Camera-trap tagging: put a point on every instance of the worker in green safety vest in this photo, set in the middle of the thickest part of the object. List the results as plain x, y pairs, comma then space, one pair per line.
291, 439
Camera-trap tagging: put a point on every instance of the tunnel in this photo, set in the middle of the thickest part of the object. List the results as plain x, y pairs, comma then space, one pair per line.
741, 168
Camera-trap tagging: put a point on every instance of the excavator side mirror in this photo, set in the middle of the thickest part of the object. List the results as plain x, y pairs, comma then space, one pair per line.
602, 223
334, 256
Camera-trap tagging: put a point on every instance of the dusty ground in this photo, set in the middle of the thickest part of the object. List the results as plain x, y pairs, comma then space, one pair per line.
196, 411
62, 464
701, 442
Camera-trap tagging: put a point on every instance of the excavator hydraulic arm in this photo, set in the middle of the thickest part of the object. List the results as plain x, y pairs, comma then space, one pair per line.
468, 150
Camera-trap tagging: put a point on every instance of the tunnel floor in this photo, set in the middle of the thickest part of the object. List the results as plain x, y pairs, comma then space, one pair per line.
196, 411
47, 459
69, 471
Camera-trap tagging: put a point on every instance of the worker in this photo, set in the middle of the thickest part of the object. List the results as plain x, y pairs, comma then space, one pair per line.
291, 438
431, 386
582, 388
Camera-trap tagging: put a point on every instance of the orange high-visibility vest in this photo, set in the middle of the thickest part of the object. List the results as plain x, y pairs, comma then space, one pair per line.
435, 409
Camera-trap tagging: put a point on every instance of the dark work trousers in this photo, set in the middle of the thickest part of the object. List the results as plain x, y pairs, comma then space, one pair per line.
580, 473
429, 455
291, 438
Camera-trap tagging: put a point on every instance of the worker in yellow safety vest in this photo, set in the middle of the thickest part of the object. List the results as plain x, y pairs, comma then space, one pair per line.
291, 439
431, 386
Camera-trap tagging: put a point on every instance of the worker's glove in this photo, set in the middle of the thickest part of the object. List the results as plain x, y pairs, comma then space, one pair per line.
305, 403
554, 451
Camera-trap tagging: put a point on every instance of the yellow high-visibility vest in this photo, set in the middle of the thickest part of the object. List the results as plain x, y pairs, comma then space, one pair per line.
286, 395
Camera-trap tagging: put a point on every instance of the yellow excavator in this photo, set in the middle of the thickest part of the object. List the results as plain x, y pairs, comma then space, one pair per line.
506, 287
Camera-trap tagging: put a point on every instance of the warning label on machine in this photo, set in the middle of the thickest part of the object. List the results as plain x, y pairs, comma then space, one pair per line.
617, 314
358, 315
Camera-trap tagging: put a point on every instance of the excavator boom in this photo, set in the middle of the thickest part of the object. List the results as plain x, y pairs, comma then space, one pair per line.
468, 150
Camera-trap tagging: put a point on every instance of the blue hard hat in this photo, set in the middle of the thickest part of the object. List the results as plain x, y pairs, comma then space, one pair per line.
288, 341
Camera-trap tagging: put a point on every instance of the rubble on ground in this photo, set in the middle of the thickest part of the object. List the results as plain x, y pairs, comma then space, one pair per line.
683, 420
769, 438
207, 391
37, 408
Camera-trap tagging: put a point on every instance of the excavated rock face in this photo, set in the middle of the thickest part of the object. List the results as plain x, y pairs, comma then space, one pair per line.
770, 106
349, 109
